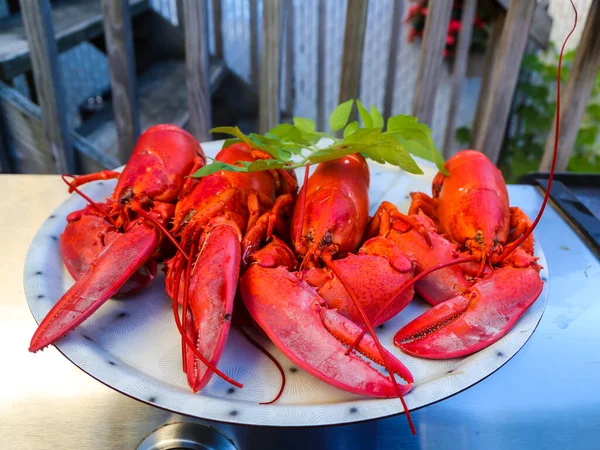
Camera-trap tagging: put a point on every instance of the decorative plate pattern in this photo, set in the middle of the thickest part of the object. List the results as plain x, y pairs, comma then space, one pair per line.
133, 346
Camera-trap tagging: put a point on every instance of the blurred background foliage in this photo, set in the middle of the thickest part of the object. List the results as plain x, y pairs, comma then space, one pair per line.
533, 113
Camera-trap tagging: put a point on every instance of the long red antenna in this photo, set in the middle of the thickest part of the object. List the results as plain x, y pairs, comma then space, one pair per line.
86, 198
272, 358
328, 263
525, 235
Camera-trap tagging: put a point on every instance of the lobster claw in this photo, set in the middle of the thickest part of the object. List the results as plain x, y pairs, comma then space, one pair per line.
474, 320
86, 235
289, 311
212, 286
382, 267
122, 258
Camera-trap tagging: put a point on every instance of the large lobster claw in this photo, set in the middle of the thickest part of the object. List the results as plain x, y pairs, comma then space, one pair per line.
125, 255
289, 311
382, 267
86, 235
476, 319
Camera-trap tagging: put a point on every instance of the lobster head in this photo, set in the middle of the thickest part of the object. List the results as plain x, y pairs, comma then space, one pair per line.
473, 206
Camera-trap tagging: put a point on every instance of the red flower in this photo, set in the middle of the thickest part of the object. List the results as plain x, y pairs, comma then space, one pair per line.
454, 26
424, 11
446, 53
450, 40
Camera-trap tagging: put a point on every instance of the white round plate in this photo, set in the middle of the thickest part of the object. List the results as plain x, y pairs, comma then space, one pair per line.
133, 346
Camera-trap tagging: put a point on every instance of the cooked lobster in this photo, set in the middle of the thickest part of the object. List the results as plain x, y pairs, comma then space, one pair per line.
295, 308
210, 222
113, 247
470, 206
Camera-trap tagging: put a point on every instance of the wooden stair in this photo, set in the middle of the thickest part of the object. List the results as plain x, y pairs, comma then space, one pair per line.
74, 21
162, 99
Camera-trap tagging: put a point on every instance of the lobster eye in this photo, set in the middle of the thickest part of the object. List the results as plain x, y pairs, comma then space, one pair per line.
126, 196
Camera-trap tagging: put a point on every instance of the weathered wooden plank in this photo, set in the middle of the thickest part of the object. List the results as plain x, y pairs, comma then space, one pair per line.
179, 9
121, 65
486, 81
577, 92
321, 44
197, 67
354, 39
26, 142
50, 91
541, 25
431, 59
270, 66
217, 10
74, 21
458, 76
254, 63
288, 80
508, 58
390, 77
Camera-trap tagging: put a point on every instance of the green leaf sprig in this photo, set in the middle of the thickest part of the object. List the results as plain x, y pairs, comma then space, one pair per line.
294, 145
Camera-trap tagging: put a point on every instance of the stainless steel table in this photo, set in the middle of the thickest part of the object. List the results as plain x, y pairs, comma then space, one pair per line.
547, 396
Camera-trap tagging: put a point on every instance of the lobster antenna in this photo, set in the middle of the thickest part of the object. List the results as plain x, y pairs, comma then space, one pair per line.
89, 200
186, 292
272, 358
530, 229
163, 230
406, 286
330, 265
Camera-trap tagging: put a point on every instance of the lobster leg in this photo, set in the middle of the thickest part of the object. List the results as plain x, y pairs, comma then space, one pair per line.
78, 180
297, 324
477, 318
519, 223
105, 276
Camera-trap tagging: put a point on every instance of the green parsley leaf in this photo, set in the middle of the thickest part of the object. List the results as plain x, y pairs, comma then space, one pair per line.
304, 124
364, 115
350, 128
217, 166
408, 128
378, 121
233, 131
340, 115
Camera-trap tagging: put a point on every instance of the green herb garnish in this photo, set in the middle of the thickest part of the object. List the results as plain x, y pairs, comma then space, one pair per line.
294, 145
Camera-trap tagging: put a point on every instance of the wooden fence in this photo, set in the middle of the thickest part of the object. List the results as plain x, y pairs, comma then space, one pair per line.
513, 24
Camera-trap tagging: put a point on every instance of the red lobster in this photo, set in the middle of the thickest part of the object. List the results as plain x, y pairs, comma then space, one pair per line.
210, 222
112, 247
470, 206
293, 308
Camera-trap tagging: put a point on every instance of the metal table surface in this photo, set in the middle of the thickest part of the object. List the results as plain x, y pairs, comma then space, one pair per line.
547, 396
